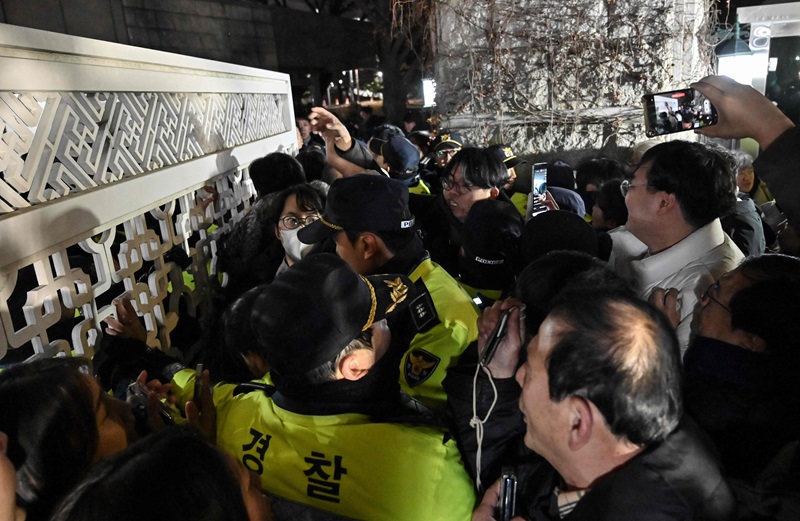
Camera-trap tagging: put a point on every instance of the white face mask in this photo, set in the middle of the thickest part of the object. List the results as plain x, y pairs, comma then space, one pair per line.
294, 249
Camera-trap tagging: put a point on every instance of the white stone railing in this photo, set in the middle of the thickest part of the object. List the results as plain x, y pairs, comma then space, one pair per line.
105, 151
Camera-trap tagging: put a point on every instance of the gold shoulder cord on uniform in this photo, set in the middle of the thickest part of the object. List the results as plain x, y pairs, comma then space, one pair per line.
398, 295
373, 305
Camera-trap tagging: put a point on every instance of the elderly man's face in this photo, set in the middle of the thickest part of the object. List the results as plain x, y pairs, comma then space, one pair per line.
544, 419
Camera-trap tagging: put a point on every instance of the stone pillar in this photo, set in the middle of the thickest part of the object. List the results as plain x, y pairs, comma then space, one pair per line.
545, 75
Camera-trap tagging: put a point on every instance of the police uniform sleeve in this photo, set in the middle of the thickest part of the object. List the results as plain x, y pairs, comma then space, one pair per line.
437, 347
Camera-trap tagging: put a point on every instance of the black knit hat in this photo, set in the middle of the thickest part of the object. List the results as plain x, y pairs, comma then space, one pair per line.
313, 310
364, 202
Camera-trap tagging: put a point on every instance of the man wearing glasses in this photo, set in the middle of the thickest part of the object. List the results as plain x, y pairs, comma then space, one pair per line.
673, 237
474, 174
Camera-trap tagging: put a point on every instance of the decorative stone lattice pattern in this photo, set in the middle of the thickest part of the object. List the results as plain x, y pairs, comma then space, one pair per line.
560, 74
53, 144
132, 264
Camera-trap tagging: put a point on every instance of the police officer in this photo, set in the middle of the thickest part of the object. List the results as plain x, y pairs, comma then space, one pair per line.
368, 218
312, 437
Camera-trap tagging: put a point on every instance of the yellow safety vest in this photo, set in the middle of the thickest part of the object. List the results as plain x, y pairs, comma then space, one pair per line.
493, 294
391, 471
520, 202
344, 463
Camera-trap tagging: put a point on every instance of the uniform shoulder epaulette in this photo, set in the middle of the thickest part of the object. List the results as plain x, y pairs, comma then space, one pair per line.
250, 387
423, 312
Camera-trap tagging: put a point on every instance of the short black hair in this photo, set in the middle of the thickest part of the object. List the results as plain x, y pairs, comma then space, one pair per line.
275, 172
700, 176
770, 307
479, 166
597, 171
612, 202
621, 354
545, 280
313, 163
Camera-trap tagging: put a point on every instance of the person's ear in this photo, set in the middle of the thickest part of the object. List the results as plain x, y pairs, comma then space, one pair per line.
278, 233
494, 192
356, 364
667, 203
581, 421
750, 341
370, 245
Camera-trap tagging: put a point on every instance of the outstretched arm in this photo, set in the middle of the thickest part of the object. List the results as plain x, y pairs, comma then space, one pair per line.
743, 112
343, 153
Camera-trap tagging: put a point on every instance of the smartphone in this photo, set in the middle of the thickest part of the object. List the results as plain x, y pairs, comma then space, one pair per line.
497, 335
538, 190
506, 504
677, 111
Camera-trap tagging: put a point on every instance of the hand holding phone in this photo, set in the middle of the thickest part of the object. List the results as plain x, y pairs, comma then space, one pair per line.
506, 503
495, 338
501, 335
677, 111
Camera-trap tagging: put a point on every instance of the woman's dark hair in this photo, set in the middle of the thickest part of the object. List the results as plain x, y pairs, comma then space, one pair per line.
49, 416
195, 482
479, 166
309, 199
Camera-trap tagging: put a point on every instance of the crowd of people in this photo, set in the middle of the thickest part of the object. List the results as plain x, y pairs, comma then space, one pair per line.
401, 334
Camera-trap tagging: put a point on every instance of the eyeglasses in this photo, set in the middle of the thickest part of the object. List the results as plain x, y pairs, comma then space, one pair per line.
625, 187
711, 294
446, 152
290, 222
448, 183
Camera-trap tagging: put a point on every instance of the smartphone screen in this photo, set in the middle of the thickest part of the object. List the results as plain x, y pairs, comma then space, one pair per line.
677, 111
538, 189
